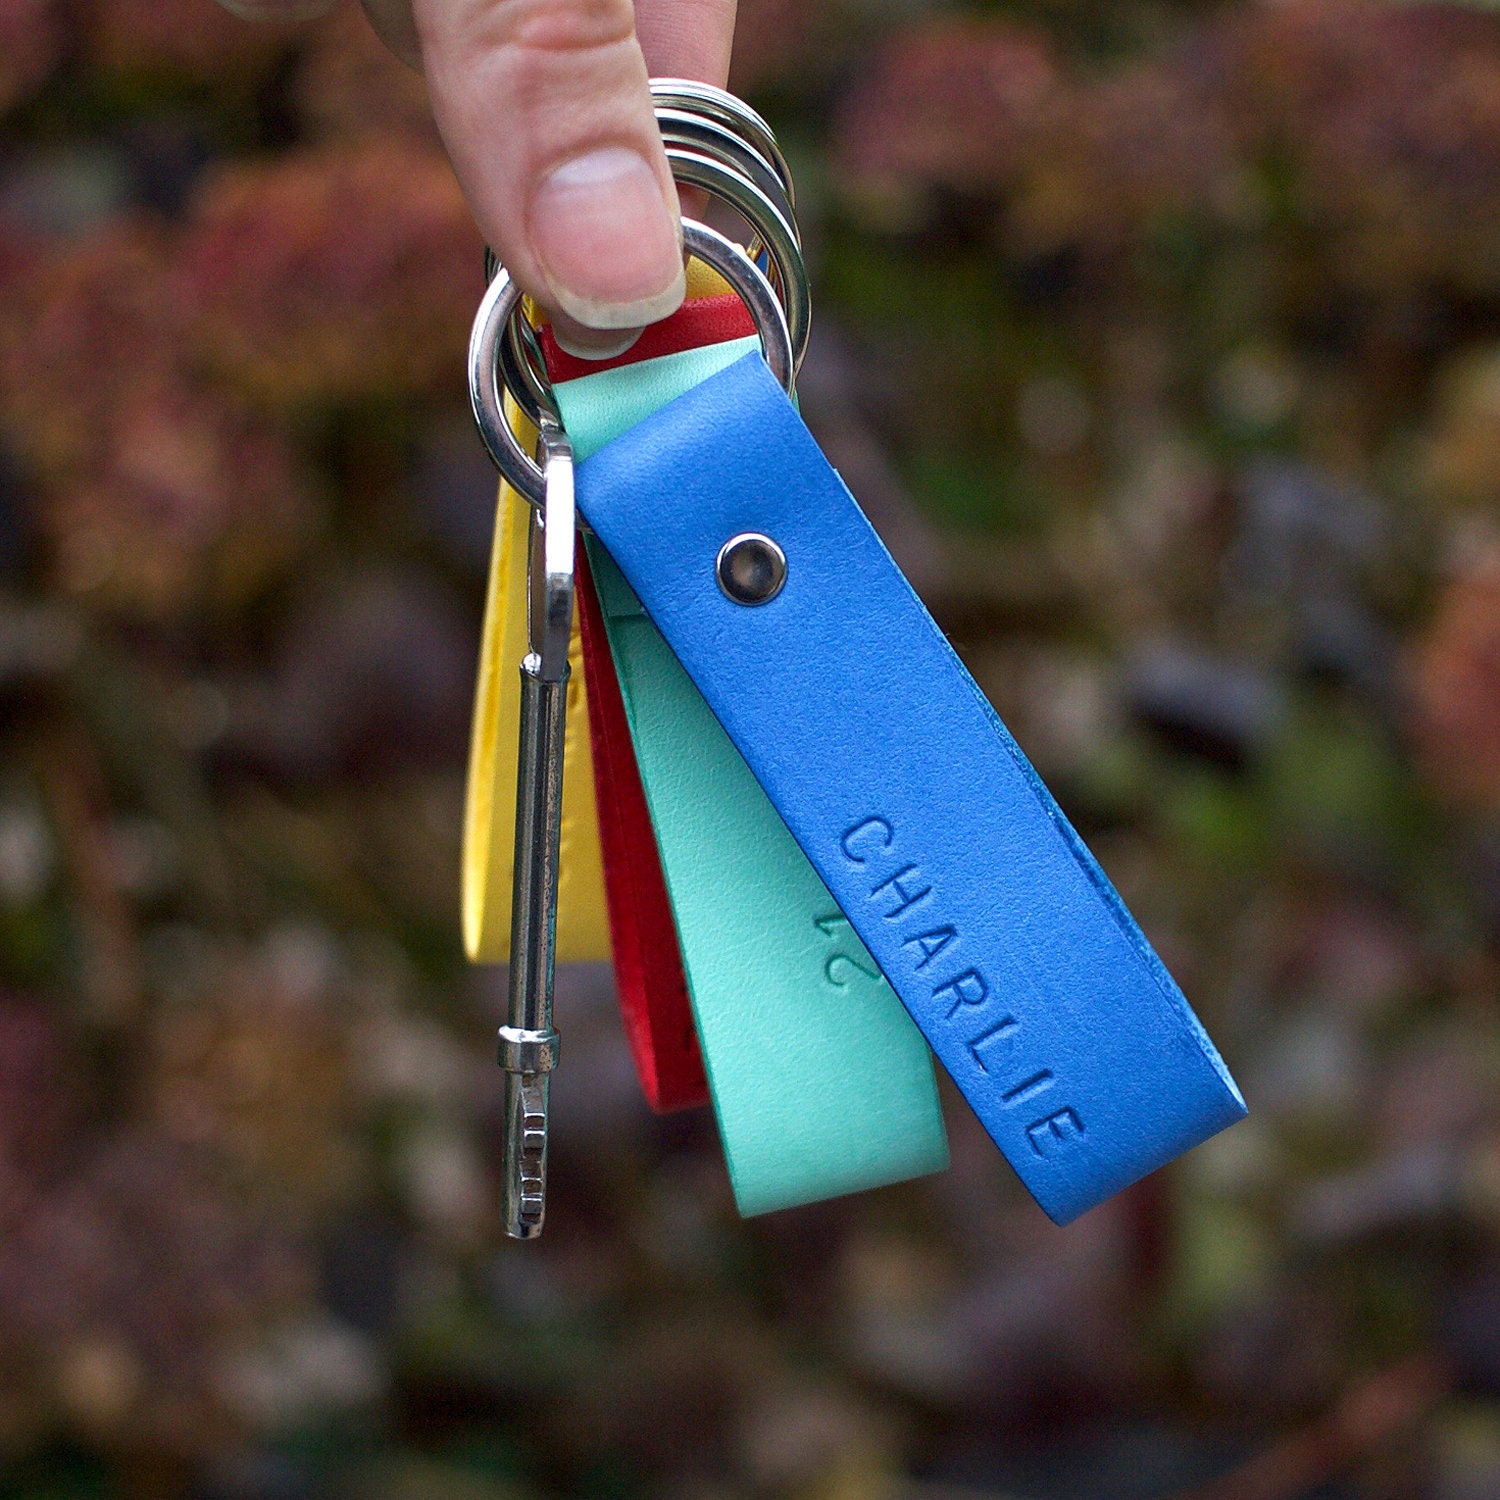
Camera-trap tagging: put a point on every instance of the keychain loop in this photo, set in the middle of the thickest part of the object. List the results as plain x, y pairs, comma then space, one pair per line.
523, 367
521, 362
695, 169
681, 127
717, 143
501, 306
731, 112
724, 128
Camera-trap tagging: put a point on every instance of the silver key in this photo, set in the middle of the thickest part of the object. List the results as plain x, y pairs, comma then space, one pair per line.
528, 1044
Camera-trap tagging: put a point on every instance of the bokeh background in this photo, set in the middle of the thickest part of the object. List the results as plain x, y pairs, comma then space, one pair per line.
1162, 341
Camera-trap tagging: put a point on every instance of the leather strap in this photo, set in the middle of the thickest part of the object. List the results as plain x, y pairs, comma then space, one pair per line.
983, 907
707, 320
490, 795
820, 1082
648, 967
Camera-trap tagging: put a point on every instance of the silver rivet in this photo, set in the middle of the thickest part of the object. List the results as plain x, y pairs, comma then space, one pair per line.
751, 568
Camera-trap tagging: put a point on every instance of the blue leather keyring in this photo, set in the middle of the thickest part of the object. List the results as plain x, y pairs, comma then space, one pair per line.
820, 1083
988, 915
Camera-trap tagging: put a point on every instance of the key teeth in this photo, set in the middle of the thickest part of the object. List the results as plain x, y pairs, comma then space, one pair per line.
533, 1200
533, 1165
525, 1154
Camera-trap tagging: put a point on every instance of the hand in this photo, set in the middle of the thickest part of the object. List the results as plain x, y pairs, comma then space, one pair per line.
546, 113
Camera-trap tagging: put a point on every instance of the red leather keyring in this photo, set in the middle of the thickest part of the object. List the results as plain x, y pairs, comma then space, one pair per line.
648, 963
643, 934
695, 325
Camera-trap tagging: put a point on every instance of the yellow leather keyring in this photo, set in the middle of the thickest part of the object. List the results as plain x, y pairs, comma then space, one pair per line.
490, 802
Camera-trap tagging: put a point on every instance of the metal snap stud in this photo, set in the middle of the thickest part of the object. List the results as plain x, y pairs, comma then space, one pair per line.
751, 568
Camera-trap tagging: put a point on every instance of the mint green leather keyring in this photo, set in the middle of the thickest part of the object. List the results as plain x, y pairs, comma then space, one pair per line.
821, 1083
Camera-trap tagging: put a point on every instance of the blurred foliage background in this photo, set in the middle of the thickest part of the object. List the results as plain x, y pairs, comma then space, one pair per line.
1162, 341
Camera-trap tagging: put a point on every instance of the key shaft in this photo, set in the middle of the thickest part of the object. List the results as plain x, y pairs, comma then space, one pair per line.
528, 1042
528, 1045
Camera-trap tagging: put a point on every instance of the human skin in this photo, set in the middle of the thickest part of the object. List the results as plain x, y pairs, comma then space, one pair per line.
545, 109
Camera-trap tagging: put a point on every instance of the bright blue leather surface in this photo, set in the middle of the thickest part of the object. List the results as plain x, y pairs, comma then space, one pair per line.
1001, 934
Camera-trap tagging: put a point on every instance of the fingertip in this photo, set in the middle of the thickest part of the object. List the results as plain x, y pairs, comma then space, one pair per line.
583, 342
607, 239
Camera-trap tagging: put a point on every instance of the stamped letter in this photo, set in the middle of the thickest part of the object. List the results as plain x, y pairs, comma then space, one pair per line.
931, 943
832, 969
908, 898
999, 1033
1055, 1132
860, 831
968, 989
1037, 1084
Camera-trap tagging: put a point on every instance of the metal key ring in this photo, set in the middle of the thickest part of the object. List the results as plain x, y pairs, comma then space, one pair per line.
503, 300
729, 186
521, 362
731, 112
743, 167
523, 367
705, 137
680, 127
698, 110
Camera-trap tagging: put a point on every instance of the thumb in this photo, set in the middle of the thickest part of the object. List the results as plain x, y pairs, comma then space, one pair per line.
546, 112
